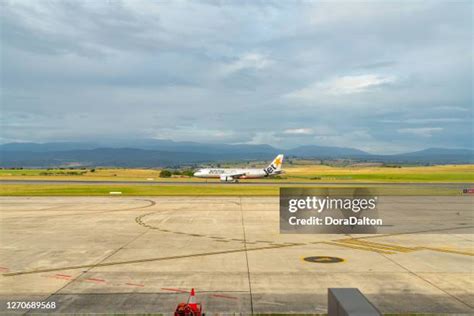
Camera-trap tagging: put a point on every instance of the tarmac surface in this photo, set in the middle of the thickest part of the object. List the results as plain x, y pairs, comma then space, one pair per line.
142, 255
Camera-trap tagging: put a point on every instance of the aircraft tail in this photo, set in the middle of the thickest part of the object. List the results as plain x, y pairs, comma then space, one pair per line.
275, 166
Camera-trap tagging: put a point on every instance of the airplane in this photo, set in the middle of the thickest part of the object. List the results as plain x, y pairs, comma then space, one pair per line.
232, 175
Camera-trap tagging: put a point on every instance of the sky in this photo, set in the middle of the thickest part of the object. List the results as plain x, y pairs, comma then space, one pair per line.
381, 76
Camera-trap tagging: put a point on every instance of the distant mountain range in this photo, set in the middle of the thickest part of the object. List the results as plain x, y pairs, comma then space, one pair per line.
161, 153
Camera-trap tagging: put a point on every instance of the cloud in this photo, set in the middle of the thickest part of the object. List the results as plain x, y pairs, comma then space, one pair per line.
298, 131
420, 131
356, 84
187, 133
377, 64
341, 86
269, 137
258, 72
425, 120
253, 61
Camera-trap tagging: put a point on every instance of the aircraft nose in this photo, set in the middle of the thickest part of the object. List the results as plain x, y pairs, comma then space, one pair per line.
197, 173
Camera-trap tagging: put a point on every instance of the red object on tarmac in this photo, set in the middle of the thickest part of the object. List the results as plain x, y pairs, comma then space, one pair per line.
190, 308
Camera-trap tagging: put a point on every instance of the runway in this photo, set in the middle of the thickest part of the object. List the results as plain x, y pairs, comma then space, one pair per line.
460, 185
141, 255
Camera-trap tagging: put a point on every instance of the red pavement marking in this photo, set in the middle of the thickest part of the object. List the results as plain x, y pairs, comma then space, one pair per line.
68, 277
225, 296
174, 290
4, 269
64, 275
134, 284
95, 280
55, 277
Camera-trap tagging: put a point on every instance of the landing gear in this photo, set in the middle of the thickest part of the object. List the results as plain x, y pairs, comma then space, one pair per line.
229, 179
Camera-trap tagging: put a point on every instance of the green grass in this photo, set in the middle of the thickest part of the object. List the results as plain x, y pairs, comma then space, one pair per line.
390, 177
310, 173
189, 190
133, 190
438, 173
39, 172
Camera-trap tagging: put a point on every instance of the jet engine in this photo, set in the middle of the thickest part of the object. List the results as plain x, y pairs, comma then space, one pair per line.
225, 178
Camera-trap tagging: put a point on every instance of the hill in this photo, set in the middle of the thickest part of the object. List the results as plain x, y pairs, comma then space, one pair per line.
159, 153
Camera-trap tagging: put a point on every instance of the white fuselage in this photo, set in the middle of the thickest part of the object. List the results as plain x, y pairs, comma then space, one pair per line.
234, 173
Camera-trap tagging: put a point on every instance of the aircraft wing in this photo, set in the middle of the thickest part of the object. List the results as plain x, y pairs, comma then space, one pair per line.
234, 175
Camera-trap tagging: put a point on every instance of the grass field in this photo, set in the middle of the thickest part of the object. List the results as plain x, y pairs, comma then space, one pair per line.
313, 174
442, 173
310, 173
188, 190
134, 190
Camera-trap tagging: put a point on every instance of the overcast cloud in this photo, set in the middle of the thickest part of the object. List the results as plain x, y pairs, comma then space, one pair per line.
384, 77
